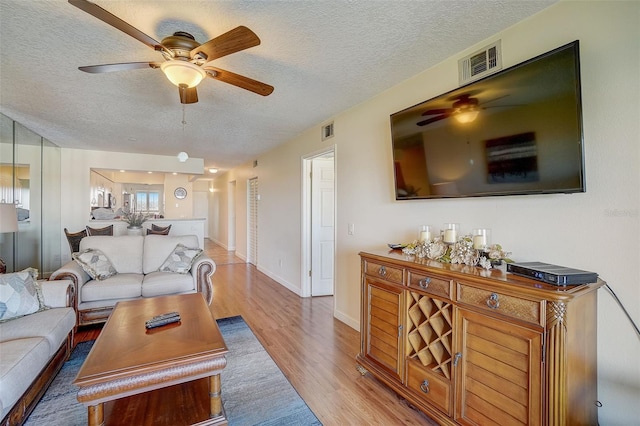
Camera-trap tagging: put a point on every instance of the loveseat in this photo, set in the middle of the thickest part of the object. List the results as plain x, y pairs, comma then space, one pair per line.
34, 347
132, 267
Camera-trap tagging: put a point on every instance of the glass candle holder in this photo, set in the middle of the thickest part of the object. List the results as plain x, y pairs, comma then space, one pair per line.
450, 232
424, 233
481, 238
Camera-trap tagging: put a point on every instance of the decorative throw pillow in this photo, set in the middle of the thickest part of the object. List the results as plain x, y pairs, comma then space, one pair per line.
95, 263
20, 294
180, 260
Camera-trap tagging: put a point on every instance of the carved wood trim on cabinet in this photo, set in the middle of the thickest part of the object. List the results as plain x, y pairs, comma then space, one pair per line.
467, 345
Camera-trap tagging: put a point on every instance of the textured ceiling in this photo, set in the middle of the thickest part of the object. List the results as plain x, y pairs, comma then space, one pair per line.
322, 57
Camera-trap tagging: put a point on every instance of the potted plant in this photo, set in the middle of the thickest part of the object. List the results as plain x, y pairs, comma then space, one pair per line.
135, 221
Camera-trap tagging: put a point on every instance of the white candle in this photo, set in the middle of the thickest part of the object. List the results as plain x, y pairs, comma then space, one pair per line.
425, 236
450, 236
479, 241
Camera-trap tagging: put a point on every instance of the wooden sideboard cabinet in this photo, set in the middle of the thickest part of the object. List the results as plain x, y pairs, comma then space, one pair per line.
473, 347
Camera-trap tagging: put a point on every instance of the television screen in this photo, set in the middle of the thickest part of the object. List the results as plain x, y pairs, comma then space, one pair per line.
518, 131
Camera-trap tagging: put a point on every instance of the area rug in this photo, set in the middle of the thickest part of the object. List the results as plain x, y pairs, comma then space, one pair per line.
254, 390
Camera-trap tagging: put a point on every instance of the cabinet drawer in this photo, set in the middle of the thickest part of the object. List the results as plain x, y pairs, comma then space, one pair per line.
431, 284
429, 387
386, 272
492, 301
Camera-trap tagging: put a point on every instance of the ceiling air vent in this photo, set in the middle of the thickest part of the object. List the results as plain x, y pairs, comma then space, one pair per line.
327, 131
480, 64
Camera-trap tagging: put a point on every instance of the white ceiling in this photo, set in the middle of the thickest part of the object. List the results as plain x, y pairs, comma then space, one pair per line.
322, 57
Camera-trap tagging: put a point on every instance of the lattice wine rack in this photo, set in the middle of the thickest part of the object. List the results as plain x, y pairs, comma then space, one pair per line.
429, 328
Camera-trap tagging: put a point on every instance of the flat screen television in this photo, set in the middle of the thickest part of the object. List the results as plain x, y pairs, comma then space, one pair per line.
518, 131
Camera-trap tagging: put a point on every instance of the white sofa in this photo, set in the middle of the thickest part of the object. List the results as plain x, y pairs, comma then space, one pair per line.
137, 260
33, 349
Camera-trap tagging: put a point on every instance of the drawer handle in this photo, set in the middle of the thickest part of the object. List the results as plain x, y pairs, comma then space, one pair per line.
456, 359
383, 271
424, 386
424, 283
493, 301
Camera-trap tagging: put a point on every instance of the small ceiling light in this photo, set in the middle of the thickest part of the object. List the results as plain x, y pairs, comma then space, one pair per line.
466, 116
213, 170
121, 171
183, 156
149, 172
182, 72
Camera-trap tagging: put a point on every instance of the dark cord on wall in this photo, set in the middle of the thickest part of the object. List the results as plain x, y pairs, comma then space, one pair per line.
623, 309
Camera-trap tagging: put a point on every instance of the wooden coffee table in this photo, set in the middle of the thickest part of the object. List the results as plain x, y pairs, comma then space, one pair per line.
176, 367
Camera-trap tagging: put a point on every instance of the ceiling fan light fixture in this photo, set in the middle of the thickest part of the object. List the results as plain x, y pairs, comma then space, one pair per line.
183, 72
467, 116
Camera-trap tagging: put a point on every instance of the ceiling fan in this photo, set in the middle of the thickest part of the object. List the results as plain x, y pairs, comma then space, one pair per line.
465, 109
186, 62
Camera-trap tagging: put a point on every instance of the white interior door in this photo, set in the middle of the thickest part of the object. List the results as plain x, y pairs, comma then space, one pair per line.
322, 226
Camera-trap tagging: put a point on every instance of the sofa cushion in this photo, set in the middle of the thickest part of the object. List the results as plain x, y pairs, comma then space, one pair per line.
95, 263
180, 259
120, 286
160, 283
52, 324
19, 295
124, 251
158, 247
21, 361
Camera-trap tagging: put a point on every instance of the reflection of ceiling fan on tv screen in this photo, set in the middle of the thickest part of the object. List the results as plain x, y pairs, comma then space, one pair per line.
465, 109
186, 62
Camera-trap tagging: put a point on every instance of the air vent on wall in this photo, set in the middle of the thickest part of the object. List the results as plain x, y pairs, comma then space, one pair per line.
480, 63
327, 131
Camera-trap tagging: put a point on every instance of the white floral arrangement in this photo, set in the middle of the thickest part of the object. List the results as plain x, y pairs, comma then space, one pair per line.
461, 252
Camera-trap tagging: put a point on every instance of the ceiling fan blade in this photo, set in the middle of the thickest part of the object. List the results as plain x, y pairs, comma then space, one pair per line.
114, 21
433, 119
239, 80
127, 66
237, 39
437, 111
188, 95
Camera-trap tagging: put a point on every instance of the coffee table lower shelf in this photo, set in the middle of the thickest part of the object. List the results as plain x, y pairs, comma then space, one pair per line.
182, 404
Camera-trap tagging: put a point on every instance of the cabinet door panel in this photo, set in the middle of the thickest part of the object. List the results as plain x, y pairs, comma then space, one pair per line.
383, 325
498, 371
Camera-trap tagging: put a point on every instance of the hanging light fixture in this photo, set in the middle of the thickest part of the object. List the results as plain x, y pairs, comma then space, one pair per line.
181, 72
466, 116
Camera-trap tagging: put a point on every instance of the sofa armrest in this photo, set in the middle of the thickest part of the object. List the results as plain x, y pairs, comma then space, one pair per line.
58, 293
74, 272
202, 270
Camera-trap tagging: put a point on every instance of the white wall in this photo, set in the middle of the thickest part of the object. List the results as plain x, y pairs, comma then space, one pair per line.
598, 230
219, 208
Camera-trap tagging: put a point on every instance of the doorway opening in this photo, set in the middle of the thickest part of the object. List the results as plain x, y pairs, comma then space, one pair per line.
318, 235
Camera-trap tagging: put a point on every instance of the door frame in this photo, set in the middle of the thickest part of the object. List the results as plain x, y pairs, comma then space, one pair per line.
305, 240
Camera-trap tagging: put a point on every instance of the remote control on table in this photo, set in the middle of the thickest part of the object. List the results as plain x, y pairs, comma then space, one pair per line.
161, 322
163, 316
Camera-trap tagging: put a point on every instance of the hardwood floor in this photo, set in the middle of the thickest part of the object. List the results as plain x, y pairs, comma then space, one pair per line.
314, 351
